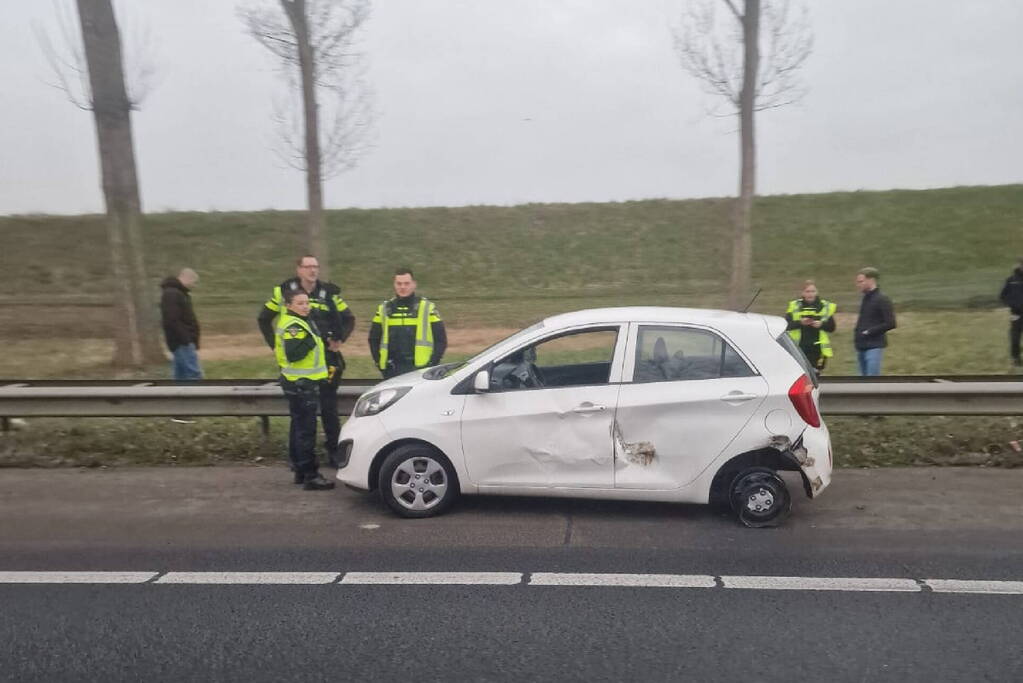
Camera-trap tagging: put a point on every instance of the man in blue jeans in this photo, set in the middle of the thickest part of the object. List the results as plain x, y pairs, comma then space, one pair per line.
876, 318
180, 326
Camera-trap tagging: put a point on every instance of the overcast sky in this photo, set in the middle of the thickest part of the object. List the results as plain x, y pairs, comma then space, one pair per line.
511, 101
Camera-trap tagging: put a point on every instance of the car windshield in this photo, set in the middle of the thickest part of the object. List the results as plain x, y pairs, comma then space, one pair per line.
448, 369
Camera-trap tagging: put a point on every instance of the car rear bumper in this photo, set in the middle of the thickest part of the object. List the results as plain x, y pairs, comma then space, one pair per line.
813, 453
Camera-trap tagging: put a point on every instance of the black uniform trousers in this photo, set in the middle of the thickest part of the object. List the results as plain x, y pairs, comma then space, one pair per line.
817, 360
328, 402
394, 370
303, 398
1015, 330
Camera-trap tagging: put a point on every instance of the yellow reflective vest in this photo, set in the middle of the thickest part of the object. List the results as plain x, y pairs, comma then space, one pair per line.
426, 313
314, 365
797, 310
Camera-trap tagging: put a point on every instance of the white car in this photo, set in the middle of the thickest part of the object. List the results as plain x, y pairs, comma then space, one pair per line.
639, 403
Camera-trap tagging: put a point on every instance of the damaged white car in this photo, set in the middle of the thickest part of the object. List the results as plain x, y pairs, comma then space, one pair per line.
660, 404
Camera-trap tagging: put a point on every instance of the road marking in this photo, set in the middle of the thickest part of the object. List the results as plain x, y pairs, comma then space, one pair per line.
225, 578
636, 580
441, 578
975, 587
76, 577
565, 579
814, 583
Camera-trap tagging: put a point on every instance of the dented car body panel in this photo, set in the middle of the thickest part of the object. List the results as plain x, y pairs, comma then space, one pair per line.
627, 403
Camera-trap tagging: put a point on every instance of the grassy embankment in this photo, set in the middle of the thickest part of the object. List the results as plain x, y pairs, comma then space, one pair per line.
943, 254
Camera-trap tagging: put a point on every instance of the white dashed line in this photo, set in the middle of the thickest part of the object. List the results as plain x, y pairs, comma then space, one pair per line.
76, 577
975, 587
628, 580
814, 583
226, 578
553, 579
441, 578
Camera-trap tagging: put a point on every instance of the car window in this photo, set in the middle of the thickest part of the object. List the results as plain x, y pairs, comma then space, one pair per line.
573, 359
792, 348
668, 354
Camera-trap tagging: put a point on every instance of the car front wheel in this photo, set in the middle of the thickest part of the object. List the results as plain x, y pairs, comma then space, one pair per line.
417, 481
759, 497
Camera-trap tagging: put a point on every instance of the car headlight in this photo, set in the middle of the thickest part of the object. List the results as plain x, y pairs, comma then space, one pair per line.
377, 401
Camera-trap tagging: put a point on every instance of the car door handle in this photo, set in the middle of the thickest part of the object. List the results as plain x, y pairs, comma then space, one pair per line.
588, 408
738, 396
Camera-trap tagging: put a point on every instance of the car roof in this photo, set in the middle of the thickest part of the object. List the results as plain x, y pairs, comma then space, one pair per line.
655, 314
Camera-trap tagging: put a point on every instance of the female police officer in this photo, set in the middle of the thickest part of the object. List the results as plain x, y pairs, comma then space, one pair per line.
302, 359
810, 319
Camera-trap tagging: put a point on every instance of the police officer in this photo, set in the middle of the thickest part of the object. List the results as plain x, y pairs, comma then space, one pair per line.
407, 333
334, 320
810, 319
301, 356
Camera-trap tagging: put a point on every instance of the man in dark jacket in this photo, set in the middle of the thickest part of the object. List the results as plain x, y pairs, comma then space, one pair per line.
876, 318
1012, 296
180, 326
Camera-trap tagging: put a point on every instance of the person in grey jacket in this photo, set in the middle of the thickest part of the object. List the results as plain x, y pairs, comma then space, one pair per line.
876, 319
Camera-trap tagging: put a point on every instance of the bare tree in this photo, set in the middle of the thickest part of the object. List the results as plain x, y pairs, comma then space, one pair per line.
724, 53
315, 42
91, 73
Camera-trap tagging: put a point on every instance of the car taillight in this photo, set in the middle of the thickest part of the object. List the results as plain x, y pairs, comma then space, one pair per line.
801, 395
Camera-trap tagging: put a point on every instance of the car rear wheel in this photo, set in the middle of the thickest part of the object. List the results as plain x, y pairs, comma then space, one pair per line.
417, 481
759, 497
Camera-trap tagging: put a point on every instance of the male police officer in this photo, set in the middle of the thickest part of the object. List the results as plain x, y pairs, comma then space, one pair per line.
302, 358
407, 333
334, 320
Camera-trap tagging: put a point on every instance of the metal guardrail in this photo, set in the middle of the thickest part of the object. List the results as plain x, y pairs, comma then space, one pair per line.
948, 395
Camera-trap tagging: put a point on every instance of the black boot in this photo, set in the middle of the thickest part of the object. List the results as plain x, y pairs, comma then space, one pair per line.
332, 458
316, 482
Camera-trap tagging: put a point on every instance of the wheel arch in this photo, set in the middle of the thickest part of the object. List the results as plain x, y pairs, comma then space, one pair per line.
762, 457
378, 459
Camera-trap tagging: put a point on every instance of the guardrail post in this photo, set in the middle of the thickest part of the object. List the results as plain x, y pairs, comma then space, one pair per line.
264, 426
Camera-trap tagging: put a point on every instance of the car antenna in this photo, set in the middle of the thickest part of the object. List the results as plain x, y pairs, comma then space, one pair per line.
755, 295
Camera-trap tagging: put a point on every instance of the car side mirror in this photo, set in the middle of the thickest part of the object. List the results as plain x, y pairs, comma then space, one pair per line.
481, 383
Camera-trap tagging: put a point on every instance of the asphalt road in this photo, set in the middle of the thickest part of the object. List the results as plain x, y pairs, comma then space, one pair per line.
915, 526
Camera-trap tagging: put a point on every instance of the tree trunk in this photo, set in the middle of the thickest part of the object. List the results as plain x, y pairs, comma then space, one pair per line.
316, 242
135, 337
740, 282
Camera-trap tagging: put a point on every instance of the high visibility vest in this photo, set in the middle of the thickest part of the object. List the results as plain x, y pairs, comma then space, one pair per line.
797, 310
424, 331
313, 366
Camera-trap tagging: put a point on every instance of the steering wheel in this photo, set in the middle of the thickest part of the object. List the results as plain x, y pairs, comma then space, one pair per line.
535, 378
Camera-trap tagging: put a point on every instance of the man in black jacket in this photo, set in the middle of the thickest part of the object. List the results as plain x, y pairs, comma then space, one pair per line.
1012, 296
876, 318
180, 326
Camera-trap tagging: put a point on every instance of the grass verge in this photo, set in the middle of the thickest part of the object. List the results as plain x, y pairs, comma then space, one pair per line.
107, 442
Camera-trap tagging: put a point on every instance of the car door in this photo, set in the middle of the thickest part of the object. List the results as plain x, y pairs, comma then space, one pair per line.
552, 430
687, 394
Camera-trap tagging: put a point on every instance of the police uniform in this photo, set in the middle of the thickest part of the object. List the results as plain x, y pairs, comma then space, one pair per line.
814, 341
301, 356
407, 334
335, 321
